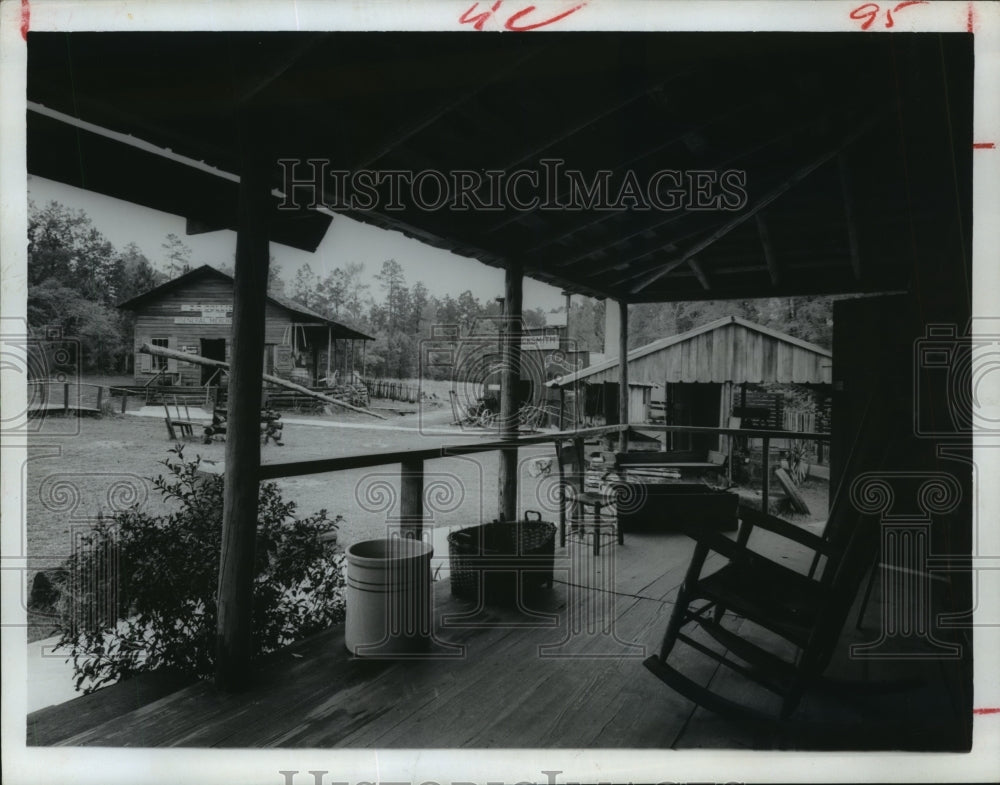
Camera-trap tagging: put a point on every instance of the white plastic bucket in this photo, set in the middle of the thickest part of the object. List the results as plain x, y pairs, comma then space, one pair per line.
389, 597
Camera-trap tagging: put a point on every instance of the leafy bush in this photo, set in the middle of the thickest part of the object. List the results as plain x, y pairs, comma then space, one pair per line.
160, 610
799, 456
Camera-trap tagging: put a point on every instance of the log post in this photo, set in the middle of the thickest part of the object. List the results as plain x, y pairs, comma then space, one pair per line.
765, 462
511, 375
623, 376
329, 353
242, 472
411, 498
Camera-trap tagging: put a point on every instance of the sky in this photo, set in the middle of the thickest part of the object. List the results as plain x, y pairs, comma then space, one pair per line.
346, 241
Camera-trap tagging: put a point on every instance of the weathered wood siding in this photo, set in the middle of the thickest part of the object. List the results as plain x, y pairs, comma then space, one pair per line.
638, 398
159, 319
730, 353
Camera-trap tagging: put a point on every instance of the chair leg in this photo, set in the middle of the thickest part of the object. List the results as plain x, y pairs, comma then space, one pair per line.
675, 623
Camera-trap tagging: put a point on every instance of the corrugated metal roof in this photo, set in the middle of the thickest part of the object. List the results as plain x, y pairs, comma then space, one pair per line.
747, 352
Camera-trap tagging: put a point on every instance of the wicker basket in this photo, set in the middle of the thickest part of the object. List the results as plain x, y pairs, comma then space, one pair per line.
496, 556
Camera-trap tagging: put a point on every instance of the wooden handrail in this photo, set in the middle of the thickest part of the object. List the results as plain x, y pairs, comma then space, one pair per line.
273, 471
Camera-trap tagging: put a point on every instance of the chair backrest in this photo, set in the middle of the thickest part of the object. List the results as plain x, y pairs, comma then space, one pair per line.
572, 464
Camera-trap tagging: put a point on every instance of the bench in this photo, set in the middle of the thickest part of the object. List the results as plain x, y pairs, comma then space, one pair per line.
673, 462
662, 506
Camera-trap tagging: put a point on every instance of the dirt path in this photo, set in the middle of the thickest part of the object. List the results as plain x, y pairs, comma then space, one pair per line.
79, 468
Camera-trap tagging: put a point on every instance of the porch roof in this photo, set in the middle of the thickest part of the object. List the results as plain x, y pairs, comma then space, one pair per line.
829, 162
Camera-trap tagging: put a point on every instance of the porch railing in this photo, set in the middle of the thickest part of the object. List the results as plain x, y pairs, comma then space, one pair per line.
412, 461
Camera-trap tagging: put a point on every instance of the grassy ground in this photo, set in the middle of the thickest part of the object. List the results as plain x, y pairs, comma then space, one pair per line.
815, 493
80, 467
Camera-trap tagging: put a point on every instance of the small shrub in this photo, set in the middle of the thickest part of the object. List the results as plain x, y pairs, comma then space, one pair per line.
799, 457
140, 591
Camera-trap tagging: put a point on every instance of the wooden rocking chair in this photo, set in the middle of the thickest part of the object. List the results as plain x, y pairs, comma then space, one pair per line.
806, 612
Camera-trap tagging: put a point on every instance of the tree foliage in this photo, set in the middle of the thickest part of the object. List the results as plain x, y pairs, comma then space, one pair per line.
163, 607
402, 318
807, 318
75, 279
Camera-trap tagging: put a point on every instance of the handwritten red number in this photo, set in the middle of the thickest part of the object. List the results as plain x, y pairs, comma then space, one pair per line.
478, 20
525, 11
870, 11
860, 13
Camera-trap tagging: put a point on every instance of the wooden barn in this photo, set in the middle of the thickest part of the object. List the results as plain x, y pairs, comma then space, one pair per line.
193, 313
705, 376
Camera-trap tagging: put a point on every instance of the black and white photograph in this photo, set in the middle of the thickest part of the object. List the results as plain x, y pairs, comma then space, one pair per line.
555, 391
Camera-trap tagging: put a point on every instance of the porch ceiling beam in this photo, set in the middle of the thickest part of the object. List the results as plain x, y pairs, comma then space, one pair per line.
720, 119
254, 89
696, 268
852, 229
787, 185
443, 108
652, 225
765, 241
643, 89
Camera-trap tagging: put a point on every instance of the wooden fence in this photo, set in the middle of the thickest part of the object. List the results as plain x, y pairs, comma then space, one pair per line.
393, 390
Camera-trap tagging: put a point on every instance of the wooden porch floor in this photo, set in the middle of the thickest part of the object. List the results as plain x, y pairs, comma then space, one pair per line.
518, 681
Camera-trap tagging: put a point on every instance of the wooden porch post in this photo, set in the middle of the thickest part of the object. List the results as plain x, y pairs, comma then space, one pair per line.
511, 375
239, 507
623, 390
329, 350
411, 498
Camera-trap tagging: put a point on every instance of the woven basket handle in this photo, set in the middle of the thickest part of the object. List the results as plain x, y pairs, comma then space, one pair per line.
538, 515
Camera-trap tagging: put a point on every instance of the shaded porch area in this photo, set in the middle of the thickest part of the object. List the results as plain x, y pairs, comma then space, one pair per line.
565, 671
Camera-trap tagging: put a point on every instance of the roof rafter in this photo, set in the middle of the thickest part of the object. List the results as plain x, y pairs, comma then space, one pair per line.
648, 278
765, 241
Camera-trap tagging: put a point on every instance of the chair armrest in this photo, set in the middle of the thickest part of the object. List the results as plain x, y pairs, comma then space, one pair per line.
781, 527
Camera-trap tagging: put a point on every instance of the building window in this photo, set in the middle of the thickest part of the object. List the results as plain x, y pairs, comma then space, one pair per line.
159, 363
